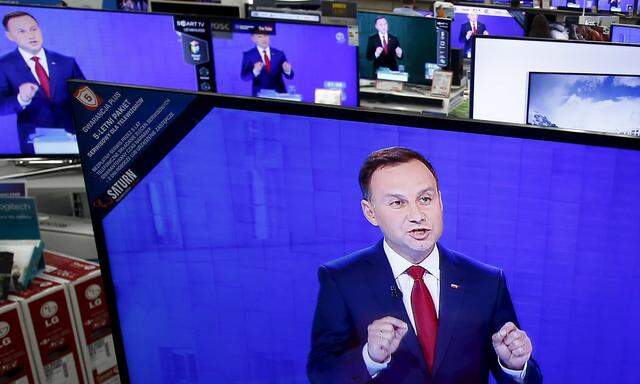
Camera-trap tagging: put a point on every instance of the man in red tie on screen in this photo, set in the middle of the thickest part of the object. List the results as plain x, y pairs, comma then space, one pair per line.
470, 29
265, 66
383, 48
33, 80
407, 309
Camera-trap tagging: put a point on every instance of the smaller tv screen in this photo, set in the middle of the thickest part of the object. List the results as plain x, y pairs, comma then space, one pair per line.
593, 102
571, 3
402, 48
289, 61
626, 34
471, 21
523, 3
616, 5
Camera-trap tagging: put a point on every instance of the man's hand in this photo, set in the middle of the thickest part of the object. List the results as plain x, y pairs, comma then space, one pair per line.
26, 91
469, 33
286, 67
257, 67
512, 346
378, 51
398, 51
384, 336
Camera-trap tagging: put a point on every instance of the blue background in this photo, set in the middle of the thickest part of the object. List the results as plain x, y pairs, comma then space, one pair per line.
496, 26
214, 254
624, 34
313, 51
121, 47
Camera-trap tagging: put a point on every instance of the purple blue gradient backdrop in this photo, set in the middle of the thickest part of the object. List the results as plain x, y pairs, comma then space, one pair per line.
141, 49
496, 26
214, 254
625, 34
603, 5
313, 50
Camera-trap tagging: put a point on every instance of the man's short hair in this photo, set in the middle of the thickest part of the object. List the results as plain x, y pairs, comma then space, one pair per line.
379, 18
387, 157
11, 15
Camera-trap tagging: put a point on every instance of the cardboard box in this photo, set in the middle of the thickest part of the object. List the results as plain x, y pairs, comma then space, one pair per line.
46, 309
83, 282
16, 362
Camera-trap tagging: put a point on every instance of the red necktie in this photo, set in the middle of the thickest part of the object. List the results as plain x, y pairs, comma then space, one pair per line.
424, 315
474, 29
267, 61
384, 45
42, 76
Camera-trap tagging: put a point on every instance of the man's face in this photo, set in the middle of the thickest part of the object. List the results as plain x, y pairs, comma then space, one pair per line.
25, 31
382, 26
404, 201
472, 16
261, 40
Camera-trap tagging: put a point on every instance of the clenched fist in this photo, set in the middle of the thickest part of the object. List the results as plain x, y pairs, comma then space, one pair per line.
26, 91
384, 336
512, 346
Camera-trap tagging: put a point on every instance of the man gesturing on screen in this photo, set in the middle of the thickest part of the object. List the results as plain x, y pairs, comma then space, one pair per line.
471, 28
407, 309
383, 48
33, 80
265, 66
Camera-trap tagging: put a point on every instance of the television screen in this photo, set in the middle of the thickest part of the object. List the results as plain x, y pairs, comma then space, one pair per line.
390, 50
572, 3
587, 32
524, 3
501, 66
471, 21
213, 230
35, 113
599, 103
305, 61
626, 34
616, 5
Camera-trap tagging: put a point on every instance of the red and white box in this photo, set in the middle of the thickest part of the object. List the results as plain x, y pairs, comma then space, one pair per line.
83, 282
49, 323
16, 362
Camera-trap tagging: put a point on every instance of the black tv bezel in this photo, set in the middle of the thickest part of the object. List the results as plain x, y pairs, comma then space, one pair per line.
552, 41
444, 19
416, 121
615, 25
530, 74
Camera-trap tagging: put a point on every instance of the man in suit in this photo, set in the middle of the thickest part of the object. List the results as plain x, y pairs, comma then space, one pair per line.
469, 29
408, 310
383, 48
265, 66
33, 80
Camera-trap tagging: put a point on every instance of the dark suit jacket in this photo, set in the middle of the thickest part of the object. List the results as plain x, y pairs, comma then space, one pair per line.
42, 112
383, 61
265, 80
356, 290
466, 27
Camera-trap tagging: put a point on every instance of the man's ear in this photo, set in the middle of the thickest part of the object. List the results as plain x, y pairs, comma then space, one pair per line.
367, 210
440, 197
6, 33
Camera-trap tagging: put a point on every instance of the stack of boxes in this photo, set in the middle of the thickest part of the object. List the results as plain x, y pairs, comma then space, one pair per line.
58, 330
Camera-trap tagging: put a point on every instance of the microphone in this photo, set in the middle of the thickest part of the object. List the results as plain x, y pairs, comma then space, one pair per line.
395, 292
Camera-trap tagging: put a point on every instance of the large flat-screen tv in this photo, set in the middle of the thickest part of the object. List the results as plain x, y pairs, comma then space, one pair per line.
594, 102
136, 48
500, 70
306, 61
212, 228
412, 46
625, 34
572, 4
471, 21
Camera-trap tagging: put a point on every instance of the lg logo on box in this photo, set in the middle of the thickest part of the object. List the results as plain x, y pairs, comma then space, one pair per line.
48, 312
4, 331
92, 294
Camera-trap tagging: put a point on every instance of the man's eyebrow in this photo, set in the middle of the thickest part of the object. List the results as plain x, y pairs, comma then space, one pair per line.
428, 189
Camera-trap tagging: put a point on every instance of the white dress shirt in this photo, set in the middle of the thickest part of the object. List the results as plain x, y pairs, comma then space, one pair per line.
383, 38
262, 52
431, 278
32, 66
